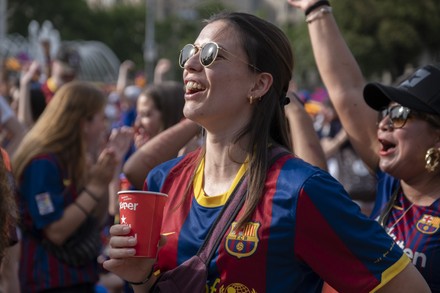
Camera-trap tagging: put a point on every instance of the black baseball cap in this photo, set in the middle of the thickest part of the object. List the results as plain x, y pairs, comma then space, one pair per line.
419, 92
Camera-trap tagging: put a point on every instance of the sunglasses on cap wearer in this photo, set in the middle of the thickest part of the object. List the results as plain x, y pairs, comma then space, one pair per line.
397, 115
207, 56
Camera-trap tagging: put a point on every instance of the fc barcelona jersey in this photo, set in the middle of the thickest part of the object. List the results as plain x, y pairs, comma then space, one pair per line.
43, 195
304, 230
416, 229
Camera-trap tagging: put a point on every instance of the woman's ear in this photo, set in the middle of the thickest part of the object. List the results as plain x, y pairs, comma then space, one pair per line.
263, 82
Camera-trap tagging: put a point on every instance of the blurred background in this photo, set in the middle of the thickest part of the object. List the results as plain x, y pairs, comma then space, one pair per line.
387, 37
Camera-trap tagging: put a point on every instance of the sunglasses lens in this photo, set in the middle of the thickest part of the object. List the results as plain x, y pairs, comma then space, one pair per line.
398, 116
187, 52
208, 54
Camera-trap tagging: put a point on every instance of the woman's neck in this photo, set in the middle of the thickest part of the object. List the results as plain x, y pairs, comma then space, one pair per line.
422, 192
223, 159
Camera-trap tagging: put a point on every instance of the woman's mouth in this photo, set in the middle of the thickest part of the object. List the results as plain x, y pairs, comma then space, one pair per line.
386, 147
192, 87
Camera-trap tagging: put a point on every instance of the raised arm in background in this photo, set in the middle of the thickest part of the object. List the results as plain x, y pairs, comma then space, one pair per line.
344, 81
124, 69
24, 112
160, 71
13, 129
305, 140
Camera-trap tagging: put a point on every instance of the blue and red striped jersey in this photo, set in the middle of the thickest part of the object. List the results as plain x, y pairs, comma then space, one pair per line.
305, 229
43, 194
416, 229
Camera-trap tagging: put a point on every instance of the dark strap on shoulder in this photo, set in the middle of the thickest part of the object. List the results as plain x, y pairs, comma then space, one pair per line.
230, 211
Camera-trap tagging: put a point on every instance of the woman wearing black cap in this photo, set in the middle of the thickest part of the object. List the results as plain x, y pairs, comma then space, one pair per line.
402, 146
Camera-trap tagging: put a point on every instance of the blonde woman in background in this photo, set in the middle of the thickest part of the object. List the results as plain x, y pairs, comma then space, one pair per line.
63, 168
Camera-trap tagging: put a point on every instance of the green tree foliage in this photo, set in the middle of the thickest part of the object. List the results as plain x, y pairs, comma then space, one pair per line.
384, 36
73, 19
122, 28
389, 35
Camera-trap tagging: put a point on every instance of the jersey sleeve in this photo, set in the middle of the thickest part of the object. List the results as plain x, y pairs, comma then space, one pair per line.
41, 187
157, 176
349, 251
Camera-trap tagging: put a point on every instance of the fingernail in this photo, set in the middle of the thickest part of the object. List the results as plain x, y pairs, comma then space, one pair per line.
132, 240
125, 229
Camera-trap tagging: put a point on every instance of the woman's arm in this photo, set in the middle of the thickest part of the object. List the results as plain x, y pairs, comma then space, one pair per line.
331, 145
160, 148
16, 132
94, 198
24, 113
124, 69
409, 280
305, 140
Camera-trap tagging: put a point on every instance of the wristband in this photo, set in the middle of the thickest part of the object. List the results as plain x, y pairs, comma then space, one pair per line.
318, 14
141, 282
91, 194
81, 208
316, 5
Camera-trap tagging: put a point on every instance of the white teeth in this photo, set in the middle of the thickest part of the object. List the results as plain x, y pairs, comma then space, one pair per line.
191, 85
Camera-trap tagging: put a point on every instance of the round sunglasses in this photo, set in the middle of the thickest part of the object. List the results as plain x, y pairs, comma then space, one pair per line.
397, 116
208, 54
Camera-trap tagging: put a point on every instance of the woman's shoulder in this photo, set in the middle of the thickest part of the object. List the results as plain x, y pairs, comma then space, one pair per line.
45, 157
294, 171
176, 166
43, 164
293, 164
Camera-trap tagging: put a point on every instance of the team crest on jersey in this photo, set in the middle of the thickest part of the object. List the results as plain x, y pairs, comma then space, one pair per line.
428, 224
236, 287
243, 243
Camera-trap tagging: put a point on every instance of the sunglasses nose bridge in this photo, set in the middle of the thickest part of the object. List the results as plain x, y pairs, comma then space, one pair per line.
390, 123
207, 54
385, 121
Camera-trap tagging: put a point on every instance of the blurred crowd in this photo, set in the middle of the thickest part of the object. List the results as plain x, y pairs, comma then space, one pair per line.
42, 108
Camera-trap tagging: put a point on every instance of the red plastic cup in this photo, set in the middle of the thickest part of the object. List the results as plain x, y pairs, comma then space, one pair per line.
143, 212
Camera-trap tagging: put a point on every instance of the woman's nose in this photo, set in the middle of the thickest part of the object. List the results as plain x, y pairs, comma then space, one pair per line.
193, 62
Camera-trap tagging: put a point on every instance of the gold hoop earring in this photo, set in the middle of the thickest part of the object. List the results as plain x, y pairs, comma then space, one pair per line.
432, 159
